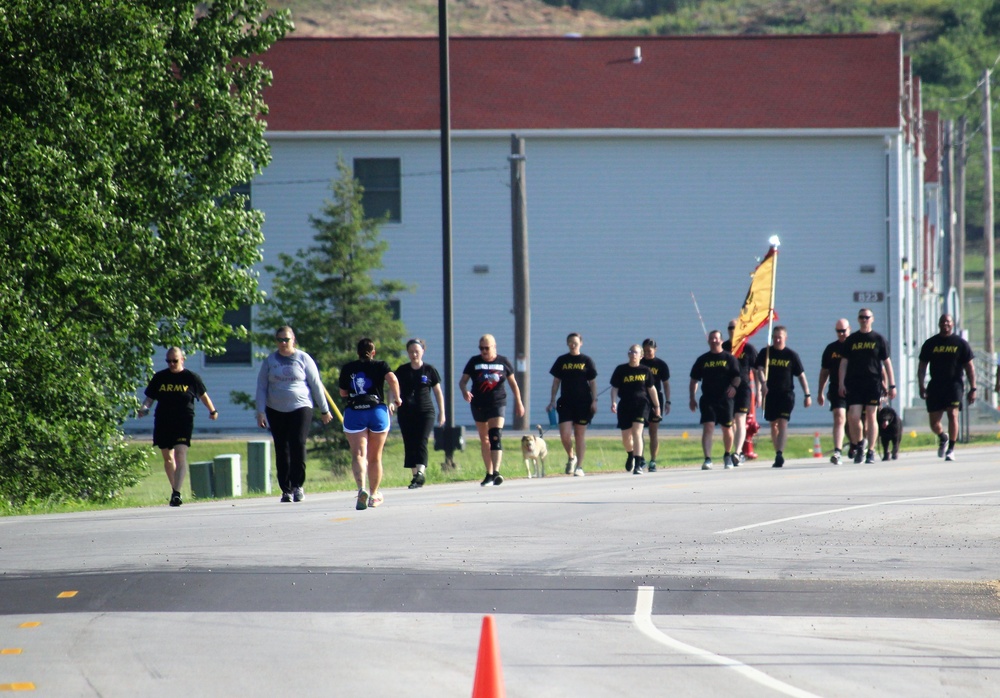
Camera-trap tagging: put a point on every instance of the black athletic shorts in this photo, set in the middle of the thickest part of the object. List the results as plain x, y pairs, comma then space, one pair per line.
717, 411
836, 402
172, 431
868, 393
485, 414
741, 401
576, 411
778, 406
941, 398
632, 412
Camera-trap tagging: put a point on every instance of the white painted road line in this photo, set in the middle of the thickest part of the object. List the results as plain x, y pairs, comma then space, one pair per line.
644, 621
827, 512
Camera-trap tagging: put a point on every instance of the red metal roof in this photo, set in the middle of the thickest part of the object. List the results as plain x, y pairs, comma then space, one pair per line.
745, 82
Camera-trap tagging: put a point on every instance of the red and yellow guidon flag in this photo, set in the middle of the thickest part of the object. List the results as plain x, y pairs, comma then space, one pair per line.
758, 308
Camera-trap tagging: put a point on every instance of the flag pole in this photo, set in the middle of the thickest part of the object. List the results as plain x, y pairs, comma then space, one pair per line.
775, 242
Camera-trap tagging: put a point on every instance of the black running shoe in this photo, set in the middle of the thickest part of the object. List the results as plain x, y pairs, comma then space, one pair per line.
942, 445
497, 480
175, 499
418, 481
779, 460
286, 496
488, 480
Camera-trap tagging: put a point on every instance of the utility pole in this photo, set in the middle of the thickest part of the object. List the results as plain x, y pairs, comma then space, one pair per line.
949, 224
988, 284
522, 283
960, 158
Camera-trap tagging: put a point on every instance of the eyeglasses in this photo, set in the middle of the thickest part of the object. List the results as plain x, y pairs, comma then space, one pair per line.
841, 331
485, 348
864, 317
732, 327
633, 351
173, 361
284, 340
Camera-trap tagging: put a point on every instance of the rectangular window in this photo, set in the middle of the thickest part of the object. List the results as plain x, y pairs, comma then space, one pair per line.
381, 181
238, 353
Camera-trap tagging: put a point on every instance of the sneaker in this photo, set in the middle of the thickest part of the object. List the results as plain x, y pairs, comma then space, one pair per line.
570, 465
779, 461
175, 499
737, 459
836, 458
727, 462
942, 445
707, 465
652, 466
298, 494
578, 472
852, 451
497, 480
488, 480
637, 470
859, 454
629, 462
870, 458
418, 481
375, 500
286, 496
362, 500
948, 455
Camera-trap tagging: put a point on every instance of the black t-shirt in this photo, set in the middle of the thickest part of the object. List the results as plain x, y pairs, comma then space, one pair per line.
946, 357
661, 372
415, 386
575, 374
865, 352
746, 360
716, 373
783, 365
175, 393
633, 383
364, 382
488, 378
832, 355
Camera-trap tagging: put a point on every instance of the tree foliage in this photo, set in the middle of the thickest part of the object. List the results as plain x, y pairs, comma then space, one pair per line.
123, 126
328, 295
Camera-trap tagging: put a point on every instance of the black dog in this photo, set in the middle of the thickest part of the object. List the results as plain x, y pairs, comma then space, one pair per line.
889, 431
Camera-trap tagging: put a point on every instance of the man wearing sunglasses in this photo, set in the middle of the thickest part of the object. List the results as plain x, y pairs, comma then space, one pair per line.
830, 370
948, 356
865, 357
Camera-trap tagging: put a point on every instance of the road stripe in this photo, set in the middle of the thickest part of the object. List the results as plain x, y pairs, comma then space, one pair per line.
644, 621
761, 524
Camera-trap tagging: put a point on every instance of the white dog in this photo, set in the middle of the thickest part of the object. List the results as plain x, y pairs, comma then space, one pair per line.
534, 451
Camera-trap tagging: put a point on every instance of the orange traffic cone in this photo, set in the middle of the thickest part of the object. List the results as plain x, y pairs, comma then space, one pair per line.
817, 449
489, 674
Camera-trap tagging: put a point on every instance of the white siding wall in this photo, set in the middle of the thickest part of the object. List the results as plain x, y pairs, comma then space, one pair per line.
621, 232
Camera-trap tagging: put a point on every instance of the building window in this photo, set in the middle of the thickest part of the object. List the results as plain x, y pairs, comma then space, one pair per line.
381, 181
238, 353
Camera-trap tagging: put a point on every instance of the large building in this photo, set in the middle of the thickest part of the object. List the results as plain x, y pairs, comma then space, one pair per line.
657, 168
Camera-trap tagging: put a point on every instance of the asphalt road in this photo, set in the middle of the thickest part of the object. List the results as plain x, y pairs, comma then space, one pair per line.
861, 580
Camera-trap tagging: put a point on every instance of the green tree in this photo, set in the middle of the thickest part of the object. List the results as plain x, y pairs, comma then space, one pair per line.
328, 295
123, 126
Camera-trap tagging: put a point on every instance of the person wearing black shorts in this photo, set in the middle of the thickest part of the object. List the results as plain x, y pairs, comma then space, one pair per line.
866, 357
417, 382
948, 356
575, 374
776, 366
661, 381
718, 372
488, 372
830, 371
175, 389
744, 393
633, 400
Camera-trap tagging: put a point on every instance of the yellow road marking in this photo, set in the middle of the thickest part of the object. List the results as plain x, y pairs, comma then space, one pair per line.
30, 624
449, 504
23, 686
343, 518
11, 650
67, 594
